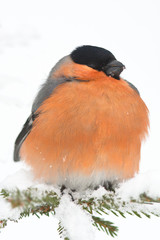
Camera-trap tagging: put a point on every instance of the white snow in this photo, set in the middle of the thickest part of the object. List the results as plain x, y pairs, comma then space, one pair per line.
34, 35
6, 210
21, 179
148, 182
75, 220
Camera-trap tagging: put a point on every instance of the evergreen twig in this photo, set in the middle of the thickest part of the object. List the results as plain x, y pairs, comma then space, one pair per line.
105, 226
31, 202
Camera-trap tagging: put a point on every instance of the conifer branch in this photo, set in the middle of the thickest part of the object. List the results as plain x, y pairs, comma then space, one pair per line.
33, 202
3, 223
105, 226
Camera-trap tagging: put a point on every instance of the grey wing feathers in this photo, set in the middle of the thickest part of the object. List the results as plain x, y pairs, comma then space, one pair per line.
47, 89
133, 87
21, 137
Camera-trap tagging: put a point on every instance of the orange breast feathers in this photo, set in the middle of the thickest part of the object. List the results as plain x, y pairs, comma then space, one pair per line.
86, 129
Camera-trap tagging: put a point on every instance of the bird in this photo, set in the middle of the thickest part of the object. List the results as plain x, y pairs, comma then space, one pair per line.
86, 125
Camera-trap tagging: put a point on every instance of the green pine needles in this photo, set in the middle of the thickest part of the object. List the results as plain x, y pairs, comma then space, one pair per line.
35, 202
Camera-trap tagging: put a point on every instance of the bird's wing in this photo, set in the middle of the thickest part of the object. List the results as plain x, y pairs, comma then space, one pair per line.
21, 137
46, 90
132, 86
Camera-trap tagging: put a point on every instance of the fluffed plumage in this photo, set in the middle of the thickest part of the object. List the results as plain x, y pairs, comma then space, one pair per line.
87, 124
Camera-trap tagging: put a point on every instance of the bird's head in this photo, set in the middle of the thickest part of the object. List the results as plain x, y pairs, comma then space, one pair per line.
99, 59
85, 61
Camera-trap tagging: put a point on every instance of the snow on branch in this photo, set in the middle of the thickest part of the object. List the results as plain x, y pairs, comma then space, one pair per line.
34, 202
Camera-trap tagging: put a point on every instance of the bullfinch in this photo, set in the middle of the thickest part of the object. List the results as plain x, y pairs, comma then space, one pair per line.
86, 124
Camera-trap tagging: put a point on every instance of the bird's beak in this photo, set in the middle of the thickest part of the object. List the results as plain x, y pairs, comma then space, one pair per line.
114, 69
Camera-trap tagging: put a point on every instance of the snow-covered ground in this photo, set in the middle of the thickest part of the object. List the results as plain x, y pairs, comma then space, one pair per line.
34, 35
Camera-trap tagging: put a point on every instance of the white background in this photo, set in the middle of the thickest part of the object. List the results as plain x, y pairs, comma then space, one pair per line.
35, 34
